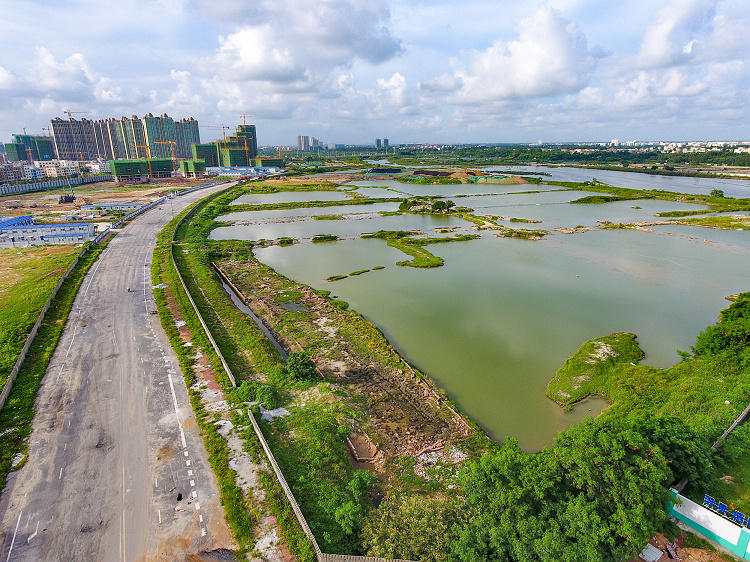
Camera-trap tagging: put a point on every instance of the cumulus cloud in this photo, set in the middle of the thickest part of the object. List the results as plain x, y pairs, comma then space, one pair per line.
676, 35
286, 42
549, 57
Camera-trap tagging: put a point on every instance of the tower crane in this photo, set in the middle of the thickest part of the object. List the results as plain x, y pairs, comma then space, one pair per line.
70, 113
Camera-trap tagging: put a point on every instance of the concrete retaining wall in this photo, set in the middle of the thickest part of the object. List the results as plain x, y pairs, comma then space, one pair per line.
711, 525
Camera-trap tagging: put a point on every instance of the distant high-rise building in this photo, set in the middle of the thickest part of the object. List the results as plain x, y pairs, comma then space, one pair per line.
125, 138
303, 142
385, 144
378, 144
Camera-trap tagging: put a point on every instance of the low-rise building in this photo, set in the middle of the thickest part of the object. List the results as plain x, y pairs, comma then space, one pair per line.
22, 231
112, 207
193, 168
31, 172
11, 172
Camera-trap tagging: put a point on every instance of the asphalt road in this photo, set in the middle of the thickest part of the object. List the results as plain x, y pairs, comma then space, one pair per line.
117, 469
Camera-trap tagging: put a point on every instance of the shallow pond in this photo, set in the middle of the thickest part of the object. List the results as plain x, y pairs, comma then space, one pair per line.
494, 324
288, 197
636, 180
351, 226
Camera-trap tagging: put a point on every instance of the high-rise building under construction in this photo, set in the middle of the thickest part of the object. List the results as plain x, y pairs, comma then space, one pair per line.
239, 149
125, 138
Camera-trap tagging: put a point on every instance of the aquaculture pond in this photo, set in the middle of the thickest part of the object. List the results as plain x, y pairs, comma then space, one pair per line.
496, 321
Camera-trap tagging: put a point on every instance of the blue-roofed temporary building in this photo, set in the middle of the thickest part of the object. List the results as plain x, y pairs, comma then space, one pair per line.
21, 231
12, 222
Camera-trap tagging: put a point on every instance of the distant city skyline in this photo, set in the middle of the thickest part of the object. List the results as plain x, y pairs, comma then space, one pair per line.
346, 71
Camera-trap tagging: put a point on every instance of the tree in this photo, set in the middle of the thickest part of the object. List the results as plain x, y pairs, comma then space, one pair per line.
597, 494
411, 527
717, 193
688, 453
299, 366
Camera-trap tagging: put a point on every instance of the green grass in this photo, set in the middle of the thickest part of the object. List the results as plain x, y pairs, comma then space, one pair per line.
305, 204
18, 413
694, 390
285, 241
274, 186
429, 180
583, 374
359, 272
324, 238
336, 277
402, 240
523, 233
735, 492
515, 219
328, 217
727, 223
598, 199
717, 204
27, 278
683, 213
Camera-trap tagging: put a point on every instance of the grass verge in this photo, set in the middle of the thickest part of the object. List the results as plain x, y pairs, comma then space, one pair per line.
18, 413
27, 277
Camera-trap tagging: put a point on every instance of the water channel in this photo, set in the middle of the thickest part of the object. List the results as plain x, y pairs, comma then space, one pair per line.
493, 325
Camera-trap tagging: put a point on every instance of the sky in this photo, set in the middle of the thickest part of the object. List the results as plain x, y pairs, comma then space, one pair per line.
348, 71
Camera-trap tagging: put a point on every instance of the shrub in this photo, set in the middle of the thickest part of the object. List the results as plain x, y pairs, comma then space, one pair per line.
299, 366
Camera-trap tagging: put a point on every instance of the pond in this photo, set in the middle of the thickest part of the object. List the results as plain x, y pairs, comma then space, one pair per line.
501, 316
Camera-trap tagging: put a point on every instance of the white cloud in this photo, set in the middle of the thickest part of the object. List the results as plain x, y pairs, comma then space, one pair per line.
550, 57
6, 79
675, 36
290, 44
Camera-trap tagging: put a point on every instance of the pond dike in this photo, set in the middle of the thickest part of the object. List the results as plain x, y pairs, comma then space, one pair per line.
409, 414
242, 302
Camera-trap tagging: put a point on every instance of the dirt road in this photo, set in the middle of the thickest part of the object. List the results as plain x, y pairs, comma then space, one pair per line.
117, 469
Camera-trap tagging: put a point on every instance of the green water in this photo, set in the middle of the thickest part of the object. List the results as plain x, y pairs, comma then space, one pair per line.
493, 325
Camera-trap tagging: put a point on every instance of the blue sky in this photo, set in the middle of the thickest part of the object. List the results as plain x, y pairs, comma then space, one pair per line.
348, 71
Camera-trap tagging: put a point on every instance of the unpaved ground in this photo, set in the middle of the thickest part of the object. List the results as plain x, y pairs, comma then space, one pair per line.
46, 202
684, 554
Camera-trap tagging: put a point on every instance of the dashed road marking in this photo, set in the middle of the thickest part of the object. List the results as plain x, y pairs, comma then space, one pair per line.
14, 536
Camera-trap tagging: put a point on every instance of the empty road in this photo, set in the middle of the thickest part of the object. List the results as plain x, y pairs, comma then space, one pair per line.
117, 469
